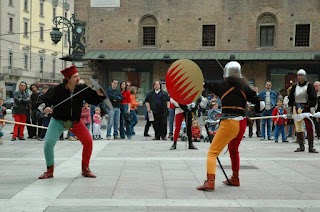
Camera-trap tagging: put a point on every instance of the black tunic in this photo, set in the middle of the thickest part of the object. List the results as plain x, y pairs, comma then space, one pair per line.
70, 109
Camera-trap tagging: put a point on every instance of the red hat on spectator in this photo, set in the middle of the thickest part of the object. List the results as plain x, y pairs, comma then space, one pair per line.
68, 72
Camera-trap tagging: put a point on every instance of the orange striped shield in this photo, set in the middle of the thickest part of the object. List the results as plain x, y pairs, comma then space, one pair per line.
184, 81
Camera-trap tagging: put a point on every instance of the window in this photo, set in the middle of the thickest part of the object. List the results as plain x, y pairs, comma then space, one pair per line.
41, 33
266, 36
148, 31
26, 59
54, 13
10, 3
66, 15
25, 29
149, 36
208, 35
302, 35
41, 8
10, 60
10, 24
266, 29
53, 68
65, 43
41, 64
25, 6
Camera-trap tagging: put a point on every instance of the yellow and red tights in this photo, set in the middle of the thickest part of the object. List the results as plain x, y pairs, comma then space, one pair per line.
229, 132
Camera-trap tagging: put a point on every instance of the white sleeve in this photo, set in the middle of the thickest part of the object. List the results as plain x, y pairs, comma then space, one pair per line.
176, 104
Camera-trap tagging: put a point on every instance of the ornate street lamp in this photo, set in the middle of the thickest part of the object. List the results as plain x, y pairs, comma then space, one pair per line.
77, 43
55, 35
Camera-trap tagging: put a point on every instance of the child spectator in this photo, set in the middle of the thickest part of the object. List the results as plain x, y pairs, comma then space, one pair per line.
85, 115
2, 116
196, 132
133, 108
279, 122
97, 124
44, 116
214, 114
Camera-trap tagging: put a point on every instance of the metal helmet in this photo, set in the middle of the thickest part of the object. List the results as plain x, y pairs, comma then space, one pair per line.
232, 68
303, 73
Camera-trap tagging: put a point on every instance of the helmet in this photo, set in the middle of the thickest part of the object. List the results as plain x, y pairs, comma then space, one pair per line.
232, 68
302, 72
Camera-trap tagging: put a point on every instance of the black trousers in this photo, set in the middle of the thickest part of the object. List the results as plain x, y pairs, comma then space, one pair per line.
34, 119
317, 126
146, 127
160, 125
250, 124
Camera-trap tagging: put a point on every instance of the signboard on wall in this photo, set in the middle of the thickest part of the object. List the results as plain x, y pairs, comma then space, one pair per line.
105, 3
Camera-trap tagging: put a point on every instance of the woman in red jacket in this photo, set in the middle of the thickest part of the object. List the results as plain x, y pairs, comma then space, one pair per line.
125, 110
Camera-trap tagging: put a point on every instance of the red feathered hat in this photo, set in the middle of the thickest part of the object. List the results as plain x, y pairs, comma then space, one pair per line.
68, 72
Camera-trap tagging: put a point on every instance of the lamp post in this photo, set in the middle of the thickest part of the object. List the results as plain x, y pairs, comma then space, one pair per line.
77, 43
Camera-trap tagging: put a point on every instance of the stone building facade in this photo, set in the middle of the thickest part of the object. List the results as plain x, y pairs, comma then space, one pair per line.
137, 40
27, 52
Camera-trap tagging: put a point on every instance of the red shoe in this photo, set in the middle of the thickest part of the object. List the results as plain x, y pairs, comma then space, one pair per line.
48, 173
86, 172
234, 181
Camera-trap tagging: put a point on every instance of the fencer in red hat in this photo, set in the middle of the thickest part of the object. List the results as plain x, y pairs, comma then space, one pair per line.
68, 72
65, 102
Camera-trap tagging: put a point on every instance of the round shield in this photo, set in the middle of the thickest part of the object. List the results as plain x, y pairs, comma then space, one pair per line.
184, 81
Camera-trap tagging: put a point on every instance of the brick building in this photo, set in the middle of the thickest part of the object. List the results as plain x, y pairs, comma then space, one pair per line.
137, 40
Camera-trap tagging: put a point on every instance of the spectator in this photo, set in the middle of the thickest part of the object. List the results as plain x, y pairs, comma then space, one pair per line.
270, 97
171, 119
35, 113
290, 128
148, 125
157, 102
279, 122
2, 116
85, 115
114, 115
21, 109
125, 110
316, 120
97, 118
133, 108
45, 116
256, 114
195, 129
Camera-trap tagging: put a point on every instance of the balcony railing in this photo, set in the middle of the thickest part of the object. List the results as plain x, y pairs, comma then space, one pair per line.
45, 75
15, 71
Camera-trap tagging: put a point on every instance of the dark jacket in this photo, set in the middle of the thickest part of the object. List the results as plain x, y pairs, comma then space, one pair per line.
150, 98
21, 103
234, 103
34, 100
115, 97
70, 109
318, 104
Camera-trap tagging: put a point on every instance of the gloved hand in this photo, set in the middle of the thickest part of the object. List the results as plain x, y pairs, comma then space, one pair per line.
312, 110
